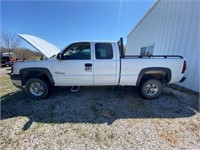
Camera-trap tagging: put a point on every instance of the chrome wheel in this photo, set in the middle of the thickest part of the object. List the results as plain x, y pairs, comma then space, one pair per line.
151, 89
36, 88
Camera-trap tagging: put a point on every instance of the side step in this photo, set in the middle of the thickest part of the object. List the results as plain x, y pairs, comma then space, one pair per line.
75, 88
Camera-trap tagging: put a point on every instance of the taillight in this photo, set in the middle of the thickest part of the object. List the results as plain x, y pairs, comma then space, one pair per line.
184, 66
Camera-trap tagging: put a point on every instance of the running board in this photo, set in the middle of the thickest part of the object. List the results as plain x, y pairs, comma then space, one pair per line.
75, 88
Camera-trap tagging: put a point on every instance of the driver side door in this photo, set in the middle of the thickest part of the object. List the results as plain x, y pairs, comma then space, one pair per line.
76, 66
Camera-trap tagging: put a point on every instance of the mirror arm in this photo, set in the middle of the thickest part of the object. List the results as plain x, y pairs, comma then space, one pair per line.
59, 56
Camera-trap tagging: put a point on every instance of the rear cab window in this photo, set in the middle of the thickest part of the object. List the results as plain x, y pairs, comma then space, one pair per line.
103, 51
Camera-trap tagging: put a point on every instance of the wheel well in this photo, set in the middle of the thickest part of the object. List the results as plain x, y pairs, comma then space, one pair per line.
35, 74
161, 74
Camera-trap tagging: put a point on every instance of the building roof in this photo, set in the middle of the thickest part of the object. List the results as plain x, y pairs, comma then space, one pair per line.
148, 12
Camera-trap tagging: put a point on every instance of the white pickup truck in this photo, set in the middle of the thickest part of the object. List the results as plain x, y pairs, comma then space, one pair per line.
95, 64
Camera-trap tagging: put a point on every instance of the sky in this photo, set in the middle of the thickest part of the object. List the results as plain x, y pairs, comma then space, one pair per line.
65, 22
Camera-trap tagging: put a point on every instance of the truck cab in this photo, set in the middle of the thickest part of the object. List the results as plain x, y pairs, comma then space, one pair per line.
83, 63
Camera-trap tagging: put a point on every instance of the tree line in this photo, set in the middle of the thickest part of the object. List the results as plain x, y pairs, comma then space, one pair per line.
10, 43
22, 53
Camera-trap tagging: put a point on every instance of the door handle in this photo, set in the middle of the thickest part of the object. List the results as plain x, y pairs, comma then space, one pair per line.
88, 65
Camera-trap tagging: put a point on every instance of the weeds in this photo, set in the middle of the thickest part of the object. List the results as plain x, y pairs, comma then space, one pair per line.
97, 136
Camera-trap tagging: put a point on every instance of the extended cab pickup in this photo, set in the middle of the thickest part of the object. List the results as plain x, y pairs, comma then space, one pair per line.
95, 64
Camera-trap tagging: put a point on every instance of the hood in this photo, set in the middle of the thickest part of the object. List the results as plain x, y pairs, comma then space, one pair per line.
41, 45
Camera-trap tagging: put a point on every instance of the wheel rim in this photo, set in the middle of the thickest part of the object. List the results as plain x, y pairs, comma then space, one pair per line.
36, 88
151, 89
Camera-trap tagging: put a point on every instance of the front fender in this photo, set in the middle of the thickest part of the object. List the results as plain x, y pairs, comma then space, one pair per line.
36, 71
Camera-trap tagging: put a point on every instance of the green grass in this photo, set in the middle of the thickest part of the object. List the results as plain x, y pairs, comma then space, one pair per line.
6, 86
97, 136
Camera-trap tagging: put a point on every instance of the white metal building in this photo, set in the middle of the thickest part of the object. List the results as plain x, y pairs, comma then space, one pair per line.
170, 27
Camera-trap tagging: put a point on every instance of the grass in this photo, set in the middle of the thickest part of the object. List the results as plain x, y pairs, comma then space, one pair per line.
6, 86
97, 136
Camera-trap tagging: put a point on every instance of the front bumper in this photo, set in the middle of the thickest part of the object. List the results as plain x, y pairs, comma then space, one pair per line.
16, 80
182, 80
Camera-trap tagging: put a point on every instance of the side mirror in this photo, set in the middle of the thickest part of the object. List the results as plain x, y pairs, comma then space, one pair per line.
59, 56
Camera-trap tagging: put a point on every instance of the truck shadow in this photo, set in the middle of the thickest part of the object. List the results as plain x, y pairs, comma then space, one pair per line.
95, 105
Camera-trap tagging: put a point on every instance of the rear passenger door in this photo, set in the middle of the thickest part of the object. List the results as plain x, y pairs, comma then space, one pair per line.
105, 64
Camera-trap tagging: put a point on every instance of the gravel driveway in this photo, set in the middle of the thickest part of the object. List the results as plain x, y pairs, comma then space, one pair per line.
99, 118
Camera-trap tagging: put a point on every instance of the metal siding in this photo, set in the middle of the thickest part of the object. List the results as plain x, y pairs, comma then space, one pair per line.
173, 26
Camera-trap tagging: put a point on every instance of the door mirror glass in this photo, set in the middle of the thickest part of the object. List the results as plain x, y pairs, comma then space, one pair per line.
59, 56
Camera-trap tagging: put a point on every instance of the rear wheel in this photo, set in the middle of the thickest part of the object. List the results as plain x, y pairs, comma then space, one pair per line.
151, 89
36, 88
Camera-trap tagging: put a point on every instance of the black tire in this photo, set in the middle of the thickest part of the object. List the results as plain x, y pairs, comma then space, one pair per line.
36, 88
151, 89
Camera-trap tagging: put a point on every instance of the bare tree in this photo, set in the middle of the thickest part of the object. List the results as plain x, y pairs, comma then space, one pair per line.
9, 41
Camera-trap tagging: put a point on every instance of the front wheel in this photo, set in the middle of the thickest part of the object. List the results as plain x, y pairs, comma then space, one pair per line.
151, 89
36, 88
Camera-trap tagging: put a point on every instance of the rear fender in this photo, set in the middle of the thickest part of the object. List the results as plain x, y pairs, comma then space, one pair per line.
154, 71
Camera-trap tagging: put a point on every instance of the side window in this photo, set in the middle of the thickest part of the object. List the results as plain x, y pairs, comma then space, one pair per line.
79, 51
147, 51
103, 51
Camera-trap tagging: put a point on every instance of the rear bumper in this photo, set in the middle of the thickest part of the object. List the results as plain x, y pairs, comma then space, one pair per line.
182, 80
16, 80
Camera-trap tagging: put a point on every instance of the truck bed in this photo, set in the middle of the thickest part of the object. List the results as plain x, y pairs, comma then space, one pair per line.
153, 56
131, 67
